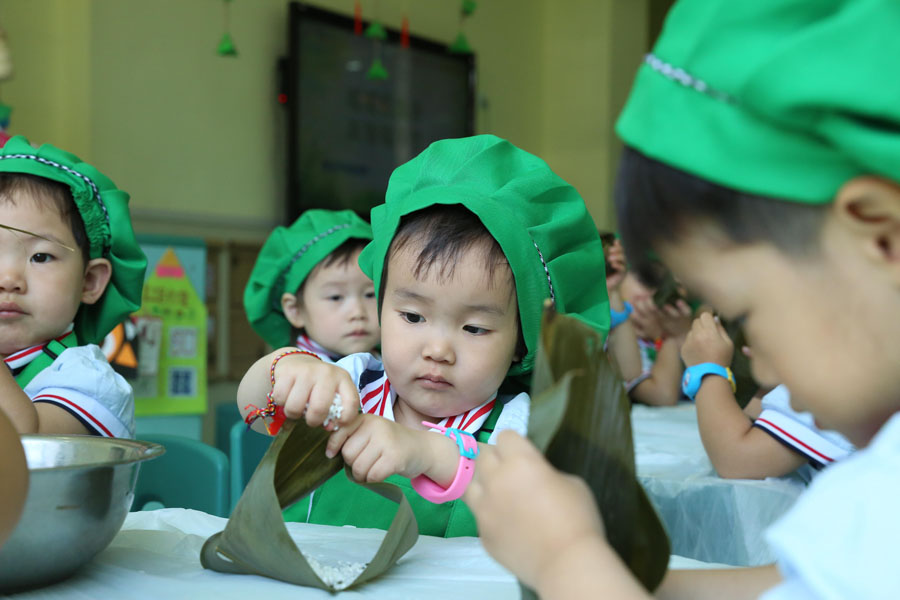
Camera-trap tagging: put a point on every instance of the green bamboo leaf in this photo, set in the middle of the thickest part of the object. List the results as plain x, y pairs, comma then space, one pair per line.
256, 539
581, 418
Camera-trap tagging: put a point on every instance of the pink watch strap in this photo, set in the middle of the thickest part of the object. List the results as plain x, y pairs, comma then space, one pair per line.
468, 450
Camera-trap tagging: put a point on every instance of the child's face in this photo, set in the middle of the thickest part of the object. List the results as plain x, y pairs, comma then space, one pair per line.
825, 325
42, 283
447, 343
337, 308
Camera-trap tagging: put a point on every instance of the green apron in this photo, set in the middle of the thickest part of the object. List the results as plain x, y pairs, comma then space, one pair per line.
340, 502
50, 353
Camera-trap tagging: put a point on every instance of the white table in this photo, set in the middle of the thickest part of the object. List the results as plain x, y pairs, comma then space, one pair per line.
156, 556
708, 518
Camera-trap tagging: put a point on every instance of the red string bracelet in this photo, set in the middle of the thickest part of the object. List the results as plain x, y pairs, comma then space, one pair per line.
272, 411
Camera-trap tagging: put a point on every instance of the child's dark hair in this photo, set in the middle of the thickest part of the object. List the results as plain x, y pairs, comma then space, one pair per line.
445, 232
57, 193
656, 203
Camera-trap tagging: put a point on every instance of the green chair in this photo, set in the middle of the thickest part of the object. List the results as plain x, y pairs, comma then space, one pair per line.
227, 414
247, 449
190, 474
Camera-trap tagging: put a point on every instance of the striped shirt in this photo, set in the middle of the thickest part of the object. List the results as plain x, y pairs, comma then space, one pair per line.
799, 432
377, 397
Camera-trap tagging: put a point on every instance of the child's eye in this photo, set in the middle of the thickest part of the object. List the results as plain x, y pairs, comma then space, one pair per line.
475, 330
370, 294
41, 257
411, 317
335, 298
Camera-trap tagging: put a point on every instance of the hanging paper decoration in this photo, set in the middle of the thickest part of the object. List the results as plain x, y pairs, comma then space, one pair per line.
357, 18
376, 32
461, 44
404, 32
226, 44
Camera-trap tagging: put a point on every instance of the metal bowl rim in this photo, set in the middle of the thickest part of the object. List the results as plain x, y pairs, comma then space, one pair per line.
149, 450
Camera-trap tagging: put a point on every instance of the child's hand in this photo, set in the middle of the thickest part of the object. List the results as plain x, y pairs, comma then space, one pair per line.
304, 384
529, 514
707, 342
376, 448
675, 319
645, 318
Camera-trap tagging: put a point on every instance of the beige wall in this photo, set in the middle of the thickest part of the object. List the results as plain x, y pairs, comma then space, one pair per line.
136, 87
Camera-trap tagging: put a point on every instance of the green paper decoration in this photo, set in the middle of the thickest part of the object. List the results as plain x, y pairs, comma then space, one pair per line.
460, 45
377, 71
375, 31
468, 7
226, 46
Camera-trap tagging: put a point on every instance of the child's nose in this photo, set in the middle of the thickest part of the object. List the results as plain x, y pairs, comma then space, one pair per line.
439, 349
11, 277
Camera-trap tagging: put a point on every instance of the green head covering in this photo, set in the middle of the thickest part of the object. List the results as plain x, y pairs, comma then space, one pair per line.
104, 210
539, 220
780, 98
287, 258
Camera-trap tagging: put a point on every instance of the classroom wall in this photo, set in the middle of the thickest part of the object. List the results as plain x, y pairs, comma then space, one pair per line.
136, 87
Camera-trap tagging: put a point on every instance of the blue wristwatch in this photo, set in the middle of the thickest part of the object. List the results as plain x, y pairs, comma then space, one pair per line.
693, 377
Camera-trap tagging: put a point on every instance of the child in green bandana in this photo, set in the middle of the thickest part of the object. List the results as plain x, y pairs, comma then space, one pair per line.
70, 271
763, 171
307, 289
474, 236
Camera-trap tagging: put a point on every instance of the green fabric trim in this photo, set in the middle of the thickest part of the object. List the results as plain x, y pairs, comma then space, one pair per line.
285, 261
772, 97
107, 222
45, 359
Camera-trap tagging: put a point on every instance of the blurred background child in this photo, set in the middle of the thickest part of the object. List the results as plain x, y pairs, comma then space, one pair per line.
307, 290
774, 442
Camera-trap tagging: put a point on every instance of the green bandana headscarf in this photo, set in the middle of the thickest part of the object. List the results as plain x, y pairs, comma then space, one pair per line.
104, 210
539, 220
287, 258
781, 98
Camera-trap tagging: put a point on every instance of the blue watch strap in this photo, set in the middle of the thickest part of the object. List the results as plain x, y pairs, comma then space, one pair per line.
617, 317
693, 377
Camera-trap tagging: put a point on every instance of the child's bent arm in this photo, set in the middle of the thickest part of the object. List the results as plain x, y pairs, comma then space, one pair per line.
663, 387
736, 449
303, 385
28, 417
714, 584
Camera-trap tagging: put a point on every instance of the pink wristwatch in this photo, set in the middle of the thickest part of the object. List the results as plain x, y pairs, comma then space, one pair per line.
468, 450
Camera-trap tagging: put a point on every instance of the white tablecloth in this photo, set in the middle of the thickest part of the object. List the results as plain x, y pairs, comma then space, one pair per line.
708, 518
156, 556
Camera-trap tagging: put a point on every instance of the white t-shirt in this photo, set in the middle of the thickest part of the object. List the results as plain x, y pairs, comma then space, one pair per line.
798, 430
839, 541
377, 397
83, 383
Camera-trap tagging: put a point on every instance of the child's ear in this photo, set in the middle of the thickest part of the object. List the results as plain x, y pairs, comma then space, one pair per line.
96, 277
291, 306
868, 208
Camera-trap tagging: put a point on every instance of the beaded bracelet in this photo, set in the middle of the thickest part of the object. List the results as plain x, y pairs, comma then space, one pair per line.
272, 411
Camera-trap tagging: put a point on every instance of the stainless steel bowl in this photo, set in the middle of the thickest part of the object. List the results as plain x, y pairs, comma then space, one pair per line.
80, 489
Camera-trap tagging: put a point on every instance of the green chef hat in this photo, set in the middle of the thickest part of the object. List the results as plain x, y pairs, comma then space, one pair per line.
539, 220
104, 210
287, 258
780, 98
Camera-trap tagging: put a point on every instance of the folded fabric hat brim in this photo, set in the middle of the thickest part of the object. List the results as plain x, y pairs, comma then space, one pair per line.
717, 139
